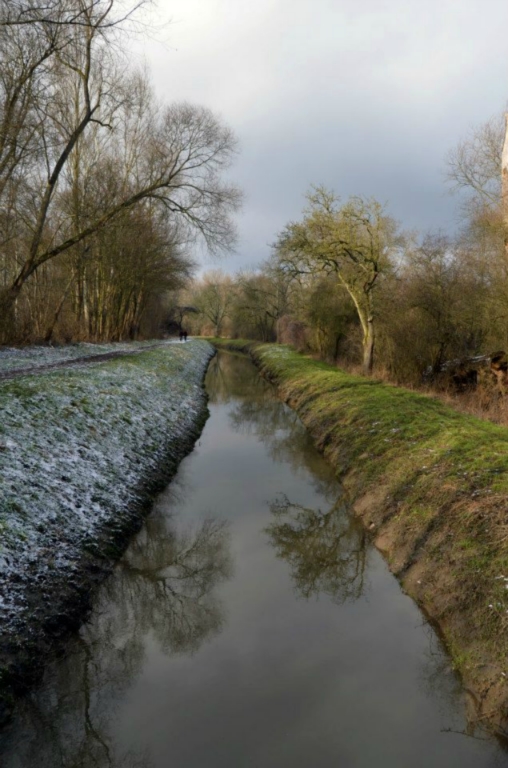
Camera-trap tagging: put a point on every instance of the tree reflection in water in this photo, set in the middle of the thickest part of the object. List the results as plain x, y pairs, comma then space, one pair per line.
231, 375
326, 551
163, 589
258, 411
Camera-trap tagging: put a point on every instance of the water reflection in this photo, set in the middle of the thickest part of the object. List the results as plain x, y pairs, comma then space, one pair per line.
326, 551
257, 411
231, 376
170, 577
162, 593
288, 682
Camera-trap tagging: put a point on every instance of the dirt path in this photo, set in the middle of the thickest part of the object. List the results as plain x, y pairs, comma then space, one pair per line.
86, 360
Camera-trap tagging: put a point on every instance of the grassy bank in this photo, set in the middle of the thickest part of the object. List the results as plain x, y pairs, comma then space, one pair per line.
431, 486
82, 451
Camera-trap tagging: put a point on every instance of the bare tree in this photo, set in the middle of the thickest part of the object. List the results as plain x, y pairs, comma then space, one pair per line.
213, 296
83, 143
351, 241
44, 46
475, 168
478, 167
504, 187
474, 165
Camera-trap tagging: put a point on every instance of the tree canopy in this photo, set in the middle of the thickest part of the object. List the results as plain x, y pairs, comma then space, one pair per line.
353, 241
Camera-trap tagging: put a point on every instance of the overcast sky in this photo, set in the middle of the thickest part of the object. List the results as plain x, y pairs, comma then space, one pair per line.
364, 96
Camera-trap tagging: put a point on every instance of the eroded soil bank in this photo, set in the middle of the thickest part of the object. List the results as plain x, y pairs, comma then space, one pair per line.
82, 453
431, 487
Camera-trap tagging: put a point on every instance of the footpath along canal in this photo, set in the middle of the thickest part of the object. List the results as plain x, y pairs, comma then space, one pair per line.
250, 624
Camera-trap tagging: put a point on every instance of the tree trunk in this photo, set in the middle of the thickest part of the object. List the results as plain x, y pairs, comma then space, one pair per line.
365, 309
7, 316
504, 187
49, 332
368, 348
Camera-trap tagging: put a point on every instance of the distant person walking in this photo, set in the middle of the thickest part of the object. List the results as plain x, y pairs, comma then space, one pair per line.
185, 335
181, 335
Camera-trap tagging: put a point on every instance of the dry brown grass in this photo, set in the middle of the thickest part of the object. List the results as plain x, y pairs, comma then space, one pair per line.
485, 402
487, 405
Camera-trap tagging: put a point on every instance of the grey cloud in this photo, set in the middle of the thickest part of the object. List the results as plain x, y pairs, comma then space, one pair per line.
363, 97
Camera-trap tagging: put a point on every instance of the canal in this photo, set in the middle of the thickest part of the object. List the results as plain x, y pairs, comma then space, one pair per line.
250, 624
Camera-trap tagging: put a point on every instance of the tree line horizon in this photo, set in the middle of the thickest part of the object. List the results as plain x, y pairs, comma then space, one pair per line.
106, 193
346, 282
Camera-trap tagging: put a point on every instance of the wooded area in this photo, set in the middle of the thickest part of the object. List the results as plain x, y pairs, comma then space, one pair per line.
347, 283
103, 190
105, 194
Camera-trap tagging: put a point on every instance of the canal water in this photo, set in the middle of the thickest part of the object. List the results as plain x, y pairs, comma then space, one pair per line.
250, 624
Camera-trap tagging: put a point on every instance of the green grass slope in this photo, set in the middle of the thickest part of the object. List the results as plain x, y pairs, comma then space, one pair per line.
431, 485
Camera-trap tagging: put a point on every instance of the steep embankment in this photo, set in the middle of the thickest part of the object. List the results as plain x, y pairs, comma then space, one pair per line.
431, 486
82, 451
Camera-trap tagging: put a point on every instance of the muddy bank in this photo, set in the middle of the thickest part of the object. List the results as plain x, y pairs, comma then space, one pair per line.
82, 452
431, 487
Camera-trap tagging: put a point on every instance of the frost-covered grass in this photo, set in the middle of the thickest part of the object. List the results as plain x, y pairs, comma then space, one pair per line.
13, 358
76, 446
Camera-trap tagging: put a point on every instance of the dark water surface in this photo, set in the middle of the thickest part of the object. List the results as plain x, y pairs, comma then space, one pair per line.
250, 625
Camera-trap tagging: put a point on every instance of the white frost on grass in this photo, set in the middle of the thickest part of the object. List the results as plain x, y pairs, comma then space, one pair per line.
75, 446
13, 358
